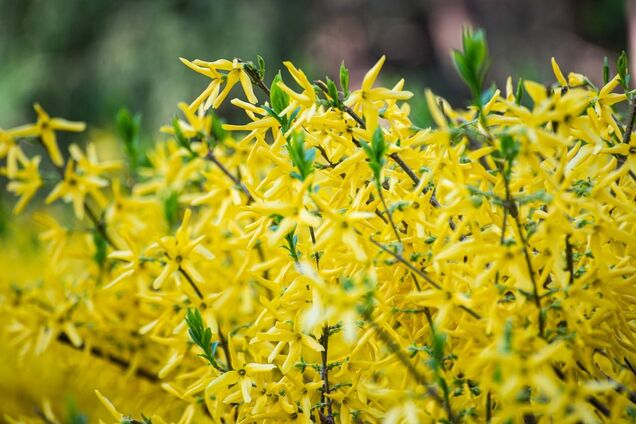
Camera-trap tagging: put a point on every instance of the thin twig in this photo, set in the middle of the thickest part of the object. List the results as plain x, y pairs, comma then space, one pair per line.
323, 153
324, 374
569, 257
43, 416
395, 156
488, 407
312, 233
514, 213
99, 226
226, 349
409, 265
600, 406
621, 159
395, 348
115, 360
212, 158
630, 123
420, 274
433, 200
256, 78
261, 256
192, 283
502, 238
388, 212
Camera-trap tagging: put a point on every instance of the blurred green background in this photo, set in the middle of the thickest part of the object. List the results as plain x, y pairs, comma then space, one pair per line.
84, 59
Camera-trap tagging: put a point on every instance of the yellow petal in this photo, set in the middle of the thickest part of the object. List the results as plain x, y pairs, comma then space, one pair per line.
372, 74
558, 74
108, 405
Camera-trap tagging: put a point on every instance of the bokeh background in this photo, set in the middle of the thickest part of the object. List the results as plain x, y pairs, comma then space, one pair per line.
84, 59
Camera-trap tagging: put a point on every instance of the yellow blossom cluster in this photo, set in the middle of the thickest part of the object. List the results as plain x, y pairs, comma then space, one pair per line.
325, 260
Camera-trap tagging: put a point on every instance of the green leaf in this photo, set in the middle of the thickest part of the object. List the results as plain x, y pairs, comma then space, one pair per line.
100, 248
487, 94
333, 91
278, 98
294, 114
302, 159
472, 61
292, 245
439, 340
539, 196
171, 208
178, 134
463, 69
261, 66
378, 142
509, 148
519, 92
375, 152
582, 188
128, 127
344, 79
218, 132
281, 120
623, 70
73, 414
506, 343
606, 70
201, 335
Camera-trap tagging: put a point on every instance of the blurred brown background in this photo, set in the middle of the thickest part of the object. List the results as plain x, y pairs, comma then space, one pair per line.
83, 59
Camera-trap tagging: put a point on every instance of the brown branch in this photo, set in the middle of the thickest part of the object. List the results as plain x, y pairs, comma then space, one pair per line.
630, 123
600, 406
323, 153
388, 212
514, 213
395, 156
421, 274
403, 358
226, 349
621, 159
342, 106
99, 226
312, 233
256, 78
433, 200
191, 281
324, 374
113, 359
569, 257
212, 158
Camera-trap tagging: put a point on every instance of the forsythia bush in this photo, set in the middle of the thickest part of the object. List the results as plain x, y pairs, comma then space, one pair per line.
326, 260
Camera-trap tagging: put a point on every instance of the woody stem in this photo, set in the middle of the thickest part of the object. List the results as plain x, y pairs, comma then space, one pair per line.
324, 373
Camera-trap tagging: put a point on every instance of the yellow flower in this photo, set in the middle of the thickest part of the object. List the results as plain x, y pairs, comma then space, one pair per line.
283, 335
10, 148
75, 188
26, 181
88, 163
46, 128
235, 73
558, 74
368, 98
240, 378
180, 251
510, 296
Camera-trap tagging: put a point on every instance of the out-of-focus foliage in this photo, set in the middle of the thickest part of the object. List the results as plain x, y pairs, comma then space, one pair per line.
110, 53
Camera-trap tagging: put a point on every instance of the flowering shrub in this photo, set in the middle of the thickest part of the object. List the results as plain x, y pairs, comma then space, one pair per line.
326, 260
